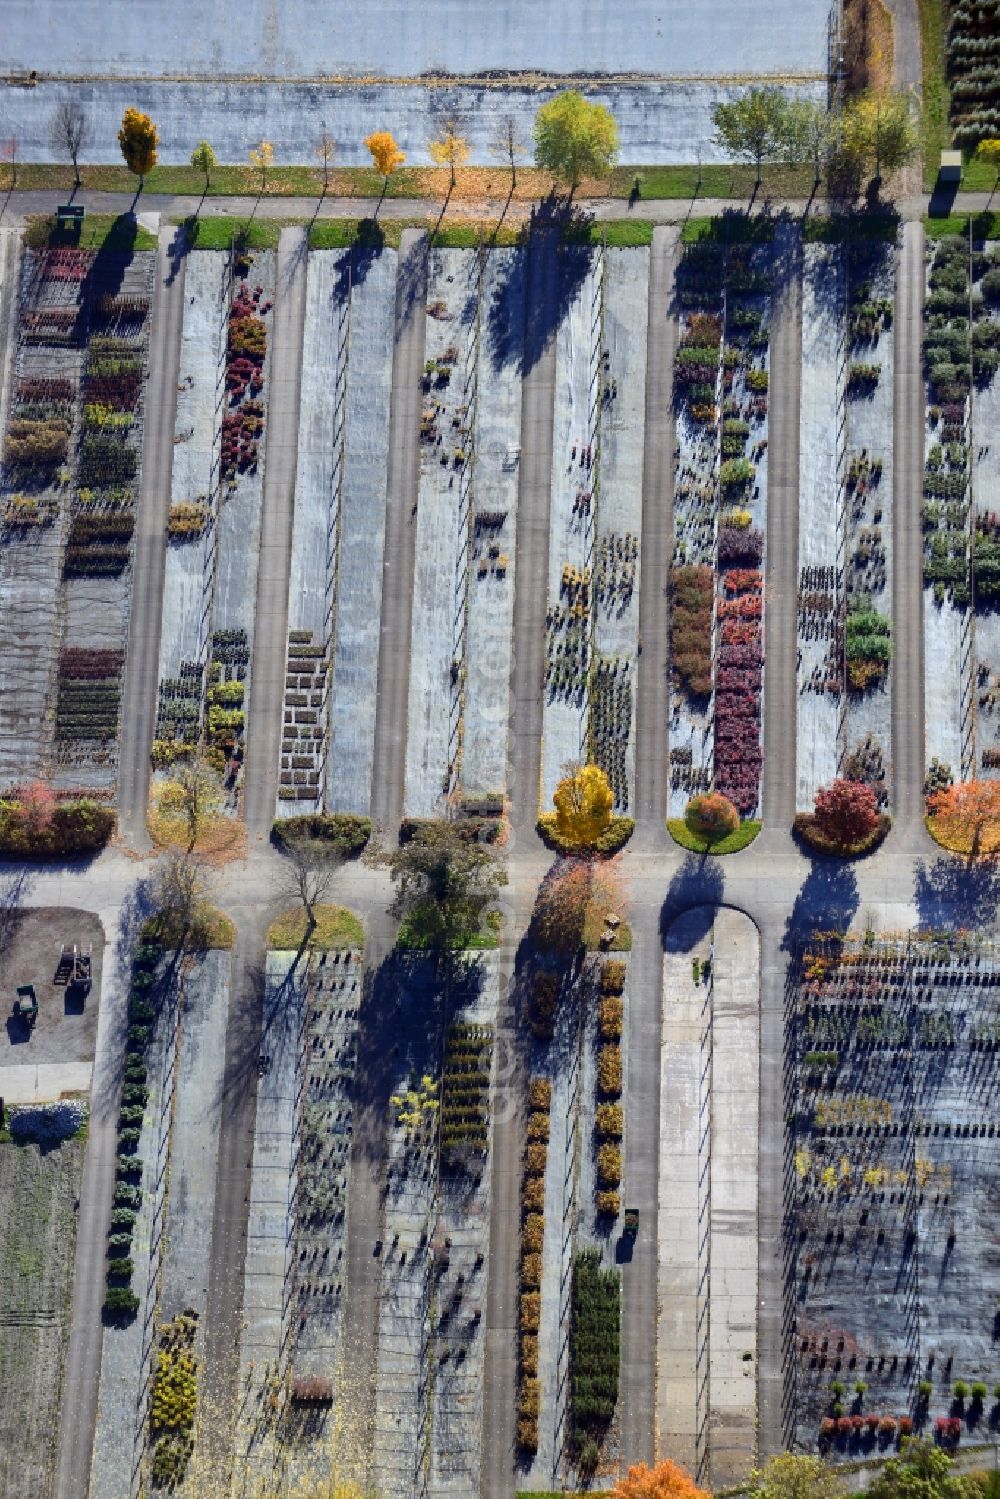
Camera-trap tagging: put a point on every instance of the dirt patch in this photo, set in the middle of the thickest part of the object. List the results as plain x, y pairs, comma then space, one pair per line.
37, 1246
868, 45
31, 943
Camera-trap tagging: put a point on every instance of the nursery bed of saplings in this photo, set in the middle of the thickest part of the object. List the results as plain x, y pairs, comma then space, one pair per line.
444, 530
845, 501
295, 1276
894, 1189
490, 597
335, 590
97, 564
984, 467
618, 501
431, 1335
194, 481
71, 462
135, 1238
720, 508
570, 1206
573, 518
216, 498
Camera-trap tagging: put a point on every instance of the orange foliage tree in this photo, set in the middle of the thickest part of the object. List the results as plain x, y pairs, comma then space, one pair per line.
967, 816
665, 1481
561, 907
386, 155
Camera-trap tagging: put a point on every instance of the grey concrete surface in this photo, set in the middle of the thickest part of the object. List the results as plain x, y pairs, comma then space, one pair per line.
112, 38
150, 548
361, 532
908, 723
780, 612
668, 120
400, 533
264, 617
531, 567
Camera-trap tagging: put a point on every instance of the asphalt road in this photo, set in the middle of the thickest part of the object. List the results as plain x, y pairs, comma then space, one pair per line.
267, 673
142, 671
391, 705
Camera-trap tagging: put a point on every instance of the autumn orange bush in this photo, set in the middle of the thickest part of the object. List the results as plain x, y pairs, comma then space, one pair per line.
966, 817
609, 1018
666, 1481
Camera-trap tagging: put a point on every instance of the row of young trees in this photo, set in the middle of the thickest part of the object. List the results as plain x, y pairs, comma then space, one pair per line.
573, 138
873, 133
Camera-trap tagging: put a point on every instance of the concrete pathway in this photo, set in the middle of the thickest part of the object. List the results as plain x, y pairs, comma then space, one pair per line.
44, 1082
400, 533
150, 554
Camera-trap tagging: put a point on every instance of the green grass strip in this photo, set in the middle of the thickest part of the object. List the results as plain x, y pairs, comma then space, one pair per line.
984, 226
120, 233
699, 844
221, 232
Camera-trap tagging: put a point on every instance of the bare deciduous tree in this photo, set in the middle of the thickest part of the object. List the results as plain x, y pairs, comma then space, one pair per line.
510, 144
70, 133
308, 878
180, 894
325, 150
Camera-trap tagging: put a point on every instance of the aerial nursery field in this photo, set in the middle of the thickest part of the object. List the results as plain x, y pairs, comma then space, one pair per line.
894, 1186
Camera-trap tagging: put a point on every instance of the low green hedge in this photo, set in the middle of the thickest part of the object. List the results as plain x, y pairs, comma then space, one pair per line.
343, 830
612, 840
699, 843
805, 829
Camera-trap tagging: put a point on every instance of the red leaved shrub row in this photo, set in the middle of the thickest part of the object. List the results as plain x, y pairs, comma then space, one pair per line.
738, 683
66, 265
41, 388
737, 544
79, 664
691, 591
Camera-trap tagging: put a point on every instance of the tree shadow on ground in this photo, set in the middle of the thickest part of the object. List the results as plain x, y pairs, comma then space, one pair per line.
560, 254
827, 902
957, 892
411, 281
697, 885
112, 260
366, 249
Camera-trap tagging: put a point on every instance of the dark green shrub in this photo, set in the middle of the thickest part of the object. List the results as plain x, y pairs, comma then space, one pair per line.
344, 832
119, 1270
120, 1303
123, 1217
118, 1243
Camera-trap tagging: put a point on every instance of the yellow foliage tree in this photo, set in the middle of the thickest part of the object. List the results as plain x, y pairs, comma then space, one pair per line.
139, 140
989, 152
666, 1481
449, 149
583, 802
386, 155
261, 157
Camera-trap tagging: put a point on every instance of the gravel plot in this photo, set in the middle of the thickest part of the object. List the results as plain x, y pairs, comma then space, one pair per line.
194, 1141
438, 36
572, 522
497, 441
437, 649
126, 1350
619, 517
187, 583
361, 533
37, 1243
820, 515
267, 1273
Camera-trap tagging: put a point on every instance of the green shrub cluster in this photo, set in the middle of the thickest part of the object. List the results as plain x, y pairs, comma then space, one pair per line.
594, 1346
343, 832
74, 827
